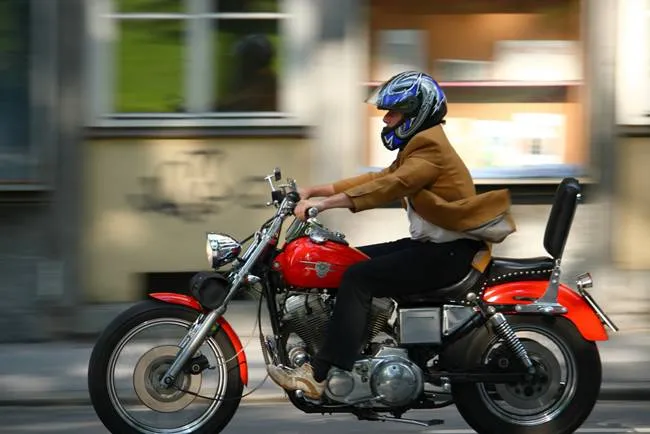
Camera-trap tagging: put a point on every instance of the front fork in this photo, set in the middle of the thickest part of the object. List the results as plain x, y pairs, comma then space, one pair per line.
204, 325
190, 344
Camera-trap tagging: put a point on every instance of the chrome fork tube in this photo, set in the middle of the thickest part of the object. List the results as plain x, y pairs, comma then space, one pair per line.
191, 347
188, 336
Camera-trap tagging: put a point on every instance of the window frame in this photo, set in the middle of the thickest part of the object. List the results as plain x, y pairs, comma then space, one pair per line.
39, 149
647, 60
197, 84
633, 63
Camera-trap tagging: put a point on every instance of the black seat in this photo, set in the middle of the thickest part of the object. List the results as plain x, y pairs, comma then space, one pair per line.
508, 269
457, 291
507, 265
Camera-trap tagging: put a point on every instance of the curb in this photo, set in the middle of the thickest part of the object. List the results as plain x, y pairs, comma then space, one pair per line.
625, 392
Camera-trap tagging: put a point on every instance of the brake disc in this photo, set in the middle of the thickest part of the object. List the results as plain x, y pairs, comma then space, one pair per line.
146, 381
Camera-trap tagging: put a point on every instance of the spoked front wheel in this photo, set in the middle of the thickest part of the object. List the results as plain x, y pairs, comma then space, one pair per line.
556, 400
133, 354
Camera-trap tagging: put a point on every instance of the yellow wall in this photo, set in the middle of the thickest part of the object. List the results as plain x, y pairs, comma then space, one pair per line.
127, 231
631, 230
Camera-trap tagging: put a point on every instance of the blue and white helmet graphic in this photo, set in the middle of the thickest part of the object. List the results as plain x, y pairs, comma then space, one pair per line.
415, 94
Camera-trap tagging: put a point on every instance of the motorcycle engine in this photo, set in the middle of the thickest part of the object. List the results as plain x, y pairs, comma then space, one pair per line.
307, 316
388, 378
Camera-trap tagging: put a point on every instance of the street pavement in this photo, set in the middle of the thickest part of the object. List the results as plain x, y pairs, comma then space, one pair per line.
55, 372
281, 418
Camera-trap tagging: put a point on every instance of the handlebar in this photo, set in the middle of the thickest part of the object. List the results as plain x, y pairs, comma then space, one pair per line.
293, 196
288, 191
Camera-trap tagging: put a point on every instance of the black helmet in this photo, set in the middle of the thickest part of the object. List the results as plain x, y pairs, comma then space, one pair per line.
415, 94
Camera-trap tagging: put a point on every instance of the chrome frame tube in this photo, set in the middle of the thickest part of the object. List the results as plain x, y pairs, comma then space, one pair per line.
251, 248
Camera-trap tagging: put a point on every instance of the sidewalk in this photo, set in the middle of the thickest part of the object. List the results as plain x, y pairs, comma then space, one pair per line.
55, 372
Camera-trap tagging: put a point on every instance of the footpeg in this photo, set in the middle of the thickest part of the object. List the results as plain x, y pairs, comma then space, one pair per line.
301, 395
372, 416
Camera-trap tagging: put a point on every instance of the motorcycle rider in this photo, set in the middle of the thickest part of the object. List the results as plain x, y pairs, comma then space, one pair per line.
451, 227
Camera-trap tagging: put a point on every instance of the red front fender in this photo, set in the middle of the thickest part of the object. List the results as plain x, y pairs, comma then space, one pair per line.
579, 312
186, 300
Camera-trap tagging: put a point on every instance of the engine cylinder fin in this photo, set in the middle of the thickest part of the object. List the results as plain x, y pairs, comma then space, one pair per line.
308, 315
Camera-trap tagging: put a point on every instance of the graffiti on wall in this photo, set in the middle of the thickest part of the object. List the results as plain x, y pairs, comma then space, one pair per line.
197, 184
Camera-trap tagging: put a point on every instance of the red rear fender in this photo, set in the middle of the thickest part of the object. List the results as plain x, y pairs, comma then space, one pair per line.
579, 312
187, 301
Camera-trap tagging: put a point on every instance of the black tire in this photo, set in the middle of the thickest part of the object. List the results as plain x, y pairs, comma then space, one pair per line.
477, 414
117, 329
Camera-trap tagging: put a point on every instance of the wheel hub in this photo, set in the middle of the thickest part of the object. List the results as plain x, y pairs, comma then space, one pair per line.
539, 390
146, 381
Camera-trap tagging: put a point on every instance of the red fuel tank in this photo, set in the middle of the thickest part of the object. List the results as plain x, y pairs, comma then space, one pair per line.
305, 264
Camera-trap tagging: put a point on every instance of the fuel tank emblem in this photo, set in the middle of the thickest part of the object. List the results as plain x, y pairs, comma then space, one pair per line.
322, 268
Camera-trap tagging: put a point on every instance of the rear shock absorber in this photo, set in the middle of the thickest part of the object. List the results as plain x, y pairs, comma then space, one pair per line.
504, 331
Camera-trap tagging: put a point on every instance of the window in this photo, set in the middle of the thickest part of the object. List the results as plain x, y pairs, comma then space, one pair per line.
28, 93
152, 59
647, 27
14, 90
633, 63
512, 73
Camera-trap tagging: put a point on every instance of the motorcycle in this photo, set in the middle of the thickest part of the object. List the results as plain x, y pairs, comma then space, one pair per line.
512, 347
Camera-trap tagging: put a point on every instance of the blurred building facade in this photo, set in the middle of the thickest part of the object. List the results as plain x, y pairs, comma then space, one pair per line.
40, 166
129, 128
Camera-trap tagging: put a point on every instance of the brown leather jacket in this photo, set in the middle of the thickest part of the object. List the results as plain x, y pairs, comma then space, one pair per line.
431, 174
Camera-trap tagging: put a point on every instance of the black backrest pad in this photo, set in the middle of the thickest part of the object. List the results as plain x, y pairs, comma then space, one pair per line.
561, 217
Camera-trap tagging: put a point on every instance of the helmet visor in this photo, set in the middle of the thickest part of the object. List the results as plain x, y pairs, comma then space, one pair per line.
384, 100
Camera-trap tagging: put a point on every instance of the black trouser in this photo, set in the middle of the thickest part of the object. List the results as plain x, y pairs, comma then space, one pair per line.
404, 267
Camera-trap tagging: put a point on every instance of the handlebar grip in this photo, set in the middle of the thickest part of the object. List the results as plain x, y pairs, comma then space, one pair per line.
312, 212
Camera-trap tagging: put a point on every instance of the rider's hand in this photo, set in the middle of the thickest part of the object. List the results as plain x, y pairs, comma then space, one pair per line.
301, 208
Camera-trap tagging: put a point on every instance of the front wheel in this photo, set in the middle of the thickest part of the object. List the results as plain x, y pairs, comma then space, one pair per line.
556, 401
132, 355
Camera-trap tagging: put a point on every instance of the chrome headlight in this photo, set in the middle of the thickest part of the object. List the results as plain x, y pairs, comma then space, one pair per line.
221, 249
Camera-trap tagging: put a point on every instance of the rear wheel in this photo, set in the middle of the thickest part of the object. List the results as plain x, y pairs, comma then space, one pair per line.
558, 400
132, 355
